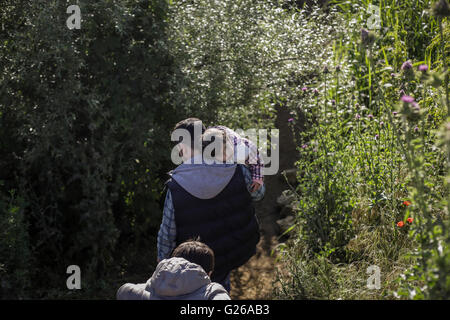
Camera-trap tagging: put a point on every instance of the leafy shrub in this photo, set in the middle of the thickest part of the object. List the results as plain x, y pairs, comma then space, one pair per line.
241, 59
85, 124
15, 252
370, 164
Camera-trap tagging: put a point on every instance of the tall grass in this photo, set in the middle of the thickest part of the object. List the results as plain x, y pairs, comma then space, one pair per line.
374, 160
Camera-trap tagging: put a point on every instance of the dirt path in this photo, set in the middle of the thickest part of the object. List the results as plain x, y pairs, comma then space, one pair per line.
254, 280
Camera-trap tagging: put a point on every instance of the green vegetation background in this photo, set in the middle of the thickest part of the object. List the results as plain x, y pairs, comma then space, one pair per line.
86, 115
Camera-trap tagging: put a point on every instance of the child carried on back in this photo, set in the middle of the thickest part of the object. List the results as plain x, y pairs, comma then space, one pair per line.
240, 150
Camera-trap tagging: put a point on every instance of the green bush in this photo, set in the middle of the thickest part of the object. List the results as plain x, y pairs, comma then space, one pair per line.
85, 134
369, 161
86, 115
16, 259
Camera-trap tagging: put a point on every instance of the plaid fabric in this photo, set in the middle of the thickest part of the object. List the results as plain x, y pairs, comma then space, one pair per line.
168, 232
252, 160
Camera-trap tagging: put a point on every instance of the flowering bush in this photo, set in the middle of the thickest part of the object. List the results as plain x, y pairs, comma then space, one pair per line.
374, 125
244, 58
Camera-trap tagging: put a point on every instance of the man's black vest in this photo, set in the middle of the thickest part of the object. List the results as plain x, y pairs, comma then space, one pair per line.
226, 223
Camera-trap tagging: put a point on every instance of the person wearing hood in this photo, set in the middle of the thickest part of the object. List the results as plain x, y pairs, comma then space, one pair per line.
212, 201
184, 276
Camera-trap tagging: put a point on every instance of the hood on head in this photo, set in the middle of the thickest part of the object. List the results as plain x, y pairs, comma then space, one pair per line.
177, 277
203, 181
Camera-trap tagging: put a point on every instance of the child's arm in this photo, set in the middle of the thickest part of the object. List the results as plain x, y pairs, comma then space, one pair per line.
256, 195
255, 164
246, 152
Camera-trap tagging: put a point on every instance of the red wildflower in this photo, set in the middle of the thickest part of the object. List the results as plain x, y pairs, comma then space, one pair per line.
410, 220
406, 202
400, 224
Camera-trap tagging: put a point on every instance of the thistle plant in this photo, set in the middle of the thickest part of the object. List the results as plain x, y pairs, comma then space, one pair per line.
375, 145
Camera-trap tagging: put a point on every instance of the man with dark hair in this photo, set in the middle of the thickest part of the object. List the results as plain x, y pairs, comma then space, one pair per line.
190, 135
184, 276
213, 202
189, 125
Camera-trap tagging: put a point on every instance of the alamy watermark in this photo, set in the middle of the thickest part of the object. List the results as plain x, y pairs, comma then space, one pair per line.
74, 20
374, 280
374, 21
207, 149
73, 281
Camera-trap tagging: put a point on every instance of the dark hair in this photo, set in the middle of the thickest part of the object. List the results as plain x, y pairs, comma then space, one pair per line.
196, 252
218, 133
189, 125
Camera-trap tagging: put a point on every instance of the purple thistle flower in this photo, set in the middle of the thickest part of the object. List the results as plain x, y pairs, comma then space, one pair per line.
370, 116
304, 146
290, 119
376, 137
441, 9
415, 106
423, 67
407, 65
416, 129
305, 89
407, 99
395, 113
357, 117
364, 34
381, 123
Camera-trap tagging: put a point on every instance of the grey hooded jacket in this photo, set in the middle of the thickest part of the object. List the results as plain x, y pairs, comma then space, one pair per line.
175, 279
